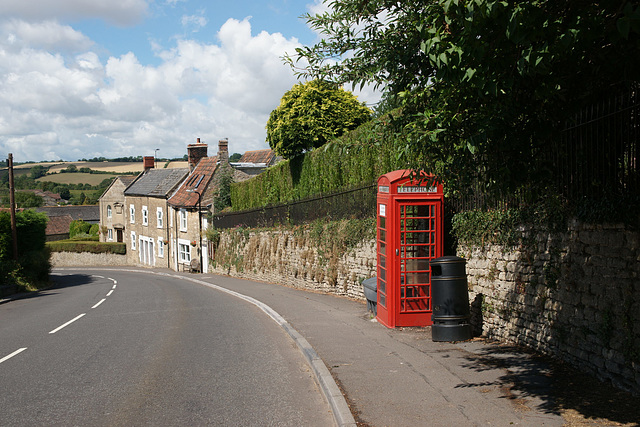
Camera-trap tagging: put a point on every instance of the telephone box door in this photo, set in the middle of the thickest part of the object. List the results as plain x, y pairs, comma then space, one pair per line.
419, 242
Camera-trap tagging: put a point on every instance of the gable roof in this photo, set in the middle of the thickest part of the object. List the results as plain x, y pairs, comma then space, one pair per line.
127, 180
258, 156
58, 225
156, 182
197, 180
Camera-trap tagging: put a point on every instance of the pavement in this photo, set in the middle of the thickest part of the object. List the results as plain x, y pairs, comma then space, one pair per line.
375, 376
400, 377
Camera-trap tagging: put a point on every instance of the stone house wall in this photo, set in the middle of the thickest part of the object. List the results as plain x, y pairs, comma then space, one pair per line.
150, 231
185, 236
114, 199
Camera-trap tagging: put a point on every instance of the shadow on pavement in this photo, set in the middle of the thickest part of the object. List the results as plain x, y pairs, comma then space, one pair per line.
581, 399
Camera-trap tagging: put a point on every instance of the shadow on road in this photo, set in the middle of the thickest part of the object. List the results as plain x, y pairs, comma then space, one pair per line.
59, 281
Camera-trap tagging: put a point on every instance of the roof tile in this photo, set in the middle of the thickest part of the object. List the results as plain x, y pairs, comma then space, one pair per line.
258, 156
198, 180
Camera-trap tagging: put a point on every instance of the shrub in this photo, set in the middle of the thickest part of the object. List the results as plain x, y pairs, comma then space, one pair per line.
78, 227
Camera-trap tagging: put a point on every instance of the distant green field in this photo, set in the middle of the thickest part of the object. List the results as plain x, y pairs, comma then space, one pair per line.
76, 178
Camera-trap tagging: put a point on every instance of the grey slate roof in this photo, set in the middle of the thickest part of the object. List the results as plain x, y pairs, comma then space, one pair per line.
127, 179
87, 213
157, 182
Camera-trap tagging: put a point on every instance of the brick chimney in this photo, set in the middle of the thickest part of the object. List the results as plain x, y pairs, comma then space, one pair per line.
223, 150
196, 152
148, 162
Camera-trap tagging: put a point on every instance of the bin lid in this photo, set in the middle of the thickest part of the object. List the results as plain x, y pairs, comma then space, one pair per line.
448, 259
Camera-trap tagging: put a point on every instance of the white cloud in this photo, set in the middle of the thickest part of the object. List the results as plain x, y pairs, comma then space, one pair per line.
318, 7
47, 35
117, 12
193, 23
56, 106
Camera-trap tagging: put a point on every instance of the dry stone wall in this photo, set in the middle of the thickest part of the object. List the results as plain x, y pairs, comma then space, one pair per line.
85, 259
575, 295
284, 257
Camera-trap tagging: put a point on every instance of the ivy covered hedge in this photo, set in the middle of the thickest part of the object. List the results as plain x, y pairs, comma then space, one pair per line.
356, 158
31, 270
87, 246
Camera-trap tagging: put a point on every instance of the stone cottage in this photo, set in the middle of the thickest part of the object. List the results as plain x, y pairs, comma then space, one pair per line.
146, 215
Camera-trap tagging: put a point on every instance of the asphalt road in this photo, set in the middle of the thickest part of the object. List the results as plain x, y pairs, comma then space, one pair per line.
122, 348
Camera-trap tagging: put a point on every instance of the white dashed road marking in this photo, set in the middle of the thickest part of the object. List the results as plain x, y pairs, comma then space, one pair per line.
15, 353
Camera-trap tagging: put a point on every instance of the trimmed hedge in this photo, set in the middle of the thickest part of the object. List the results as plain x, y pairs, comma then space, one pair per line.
356, 158
84, 246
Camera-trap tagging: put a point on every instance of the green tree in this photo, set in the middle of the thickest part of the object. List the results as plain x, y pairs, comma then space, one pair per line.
63, 191
235, 157
311, 114
38, 171
483, 84
24, 199
33, 264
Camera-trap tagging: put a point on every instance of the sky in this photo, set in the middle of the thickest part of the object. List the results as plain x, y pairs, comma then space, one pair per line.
97, 78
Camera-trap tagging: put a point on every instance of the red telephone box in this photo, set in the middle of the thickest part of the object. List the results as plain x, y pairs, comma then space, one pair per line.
410, 225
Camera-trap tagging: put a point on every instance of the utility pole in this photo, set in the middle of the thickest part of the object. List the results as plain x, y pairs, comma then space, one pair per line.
12, 203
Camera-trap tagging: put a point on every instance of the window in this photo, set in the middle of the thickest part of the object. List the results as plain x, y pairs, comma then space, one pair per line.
108, 211
160, 217
145, 216
160, 247
110, 234
132, 214
133, 240
184, 251
183, 220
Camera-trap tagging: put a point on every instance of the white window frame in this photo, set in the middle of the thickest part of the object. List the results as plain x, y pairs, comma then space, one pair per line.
110, 234
132, 214
183, 219
133, 241
160, 247
145, 215
159, 217
108, 211
184, 255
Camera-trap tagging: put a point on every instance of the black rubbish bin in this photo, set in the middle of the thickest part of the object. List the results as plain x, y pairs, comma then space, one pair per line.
371, 294
450, 300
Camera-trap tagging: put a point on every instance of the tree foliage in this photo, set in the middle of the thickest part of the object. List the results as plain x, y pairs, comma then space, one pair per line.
33, 264
23, 199
483, 84
311, 114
